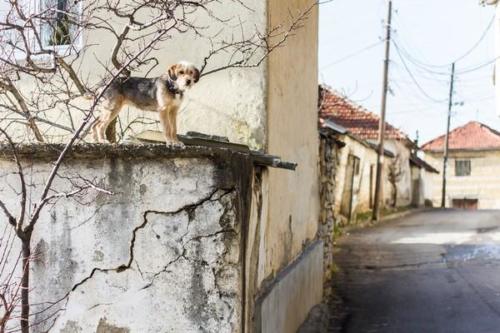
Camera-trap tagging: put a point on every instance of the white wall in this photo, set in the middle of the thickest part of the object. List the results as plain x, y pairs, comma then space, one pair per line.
160, 255
231, 103
483, 183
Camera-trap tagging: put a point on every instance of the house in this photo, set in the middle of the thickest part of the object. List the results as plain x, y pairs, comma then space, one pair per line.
355, 172
422, 176
473, 172
280, 259
355, 178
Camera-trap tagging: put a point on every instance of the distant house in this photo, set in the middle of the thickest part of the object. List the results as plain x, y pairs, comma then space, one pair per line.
355, 177
422, 177
354, 173
473, 176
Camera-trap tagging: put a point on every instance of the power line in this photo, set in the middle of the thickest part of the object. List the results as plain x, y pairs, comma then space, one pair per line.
347, 57
413, 77
483, 36
463, 56
478, 67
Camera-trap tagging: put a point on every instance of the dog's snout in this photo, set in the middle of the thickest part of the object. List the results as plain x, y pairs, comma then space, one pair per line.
188, 82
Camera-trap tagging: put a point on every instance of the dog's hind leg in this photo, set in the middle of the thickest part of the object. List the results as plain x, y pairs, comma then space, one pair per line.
107, 116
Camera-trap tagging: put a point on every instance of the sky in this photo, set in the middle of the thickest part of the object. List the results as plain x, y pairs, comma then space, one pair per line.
428, 35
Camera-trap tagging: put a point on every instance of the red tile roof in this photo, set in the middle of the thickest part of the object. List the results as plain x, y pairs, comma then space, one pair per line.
471, 136
358, 121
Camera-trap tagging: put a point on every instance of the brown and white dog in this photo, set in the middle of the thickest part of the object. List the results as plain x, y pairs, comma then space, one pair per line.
163, 94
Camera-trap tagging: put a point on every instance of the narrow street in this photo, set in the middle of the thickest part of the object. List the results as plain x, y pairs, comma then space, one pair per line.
437, 271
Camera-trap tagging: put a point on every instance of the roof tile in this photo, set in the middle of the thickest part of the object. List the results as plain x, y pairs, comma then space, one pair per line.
356, 119
472, 136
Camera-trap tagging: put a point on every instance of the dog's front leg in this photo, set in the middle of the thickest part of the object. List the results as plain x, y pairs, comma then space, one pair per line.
167, 117
172, 119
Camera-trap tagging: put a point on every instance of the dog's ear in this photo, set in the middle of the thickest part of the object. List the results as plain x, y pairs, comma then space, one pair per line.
196, 75
172, 72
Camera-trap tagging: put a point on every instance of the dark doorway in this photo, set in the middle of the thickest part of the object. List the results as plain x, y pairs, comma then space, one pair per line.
469, 204
347, 195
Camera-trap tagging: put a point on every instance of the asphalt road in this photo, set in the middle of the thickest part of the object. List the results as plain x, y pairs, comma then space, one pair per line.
436, 271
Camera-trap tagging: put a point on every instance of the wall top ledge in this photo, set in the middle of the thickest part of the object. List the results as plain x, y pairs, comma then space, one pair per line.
199, 147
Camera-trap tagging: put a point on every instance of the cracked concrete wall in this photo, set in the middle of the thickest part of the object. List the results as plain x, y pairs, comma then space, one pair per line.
160, 255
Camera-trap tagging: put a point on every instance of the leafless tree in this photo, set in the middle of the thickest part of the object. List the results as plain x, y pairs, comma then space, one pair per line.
394, 176
46, 83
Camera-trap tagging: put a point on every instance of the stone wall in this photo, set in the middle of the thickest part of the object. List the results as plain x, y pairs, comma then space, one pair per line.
162, 254
328, 154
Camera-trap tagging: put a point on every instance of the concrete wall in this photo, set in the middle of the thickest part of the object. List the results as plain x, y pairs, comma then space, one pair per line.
160, 255
429, 181
278, 305
483, 183
404, 184
290, 211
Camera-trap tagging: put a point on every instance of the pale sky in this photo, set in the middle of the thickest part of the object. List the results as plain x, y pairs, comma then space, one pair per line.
430, 34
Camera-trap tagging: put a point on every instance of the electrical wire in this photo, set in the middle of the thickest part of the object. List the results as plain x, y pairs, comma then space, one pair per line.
478, 67
347, 57
463, 56
405, 65
483, 36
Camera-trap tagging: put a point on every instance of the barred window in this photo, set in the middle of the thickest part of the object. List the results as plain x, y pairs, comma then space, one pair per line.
462, 168
60, 28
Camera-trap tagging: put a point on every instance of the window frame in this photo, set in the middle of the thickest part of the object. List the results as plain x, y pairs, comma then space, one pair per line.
35, 6
463, 168
78, 39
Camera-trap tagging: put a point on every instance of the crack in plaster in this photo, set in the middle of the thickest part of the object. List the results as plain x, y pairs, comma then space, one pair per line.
196, 238
126, 266
214, 195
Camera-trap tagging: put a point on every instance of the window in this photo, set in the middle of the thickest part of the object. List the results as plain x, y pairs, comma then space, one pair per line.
462, 168
60, 27
356, 165
57, 24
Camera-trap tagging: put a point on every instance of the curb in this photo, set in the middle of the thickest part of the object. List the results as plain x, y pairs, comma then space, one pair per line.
405, 213
368, 223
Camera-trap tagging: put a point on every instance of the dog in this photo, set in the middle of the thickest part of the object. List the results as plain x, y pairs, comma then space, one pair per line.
163, 94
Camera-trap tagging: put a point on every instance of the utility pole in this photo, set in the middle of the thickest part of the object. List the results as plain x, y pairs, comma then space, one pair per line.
446, 144
381, 126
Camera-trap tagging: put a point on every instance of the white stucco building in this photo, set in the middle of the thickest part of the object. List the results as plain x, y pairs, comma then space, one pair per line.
270, 107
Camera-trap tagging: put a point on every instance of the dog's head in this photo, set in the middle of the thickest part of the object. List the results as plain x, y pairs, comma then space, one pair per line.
184, 74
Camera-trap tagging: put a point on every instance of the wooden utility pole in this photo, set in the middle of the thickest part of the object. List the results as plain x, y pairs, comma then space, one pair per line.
446, 143
381, 126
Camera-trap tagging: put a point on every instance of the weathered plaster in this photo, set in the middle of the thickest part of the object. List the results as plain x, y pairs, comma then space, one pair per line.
280, 307
293, 214
160, 255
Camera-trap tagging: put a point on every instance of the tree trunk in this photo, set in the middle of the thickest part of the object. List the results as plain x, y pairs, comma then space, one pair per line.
25, 285
395, 197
